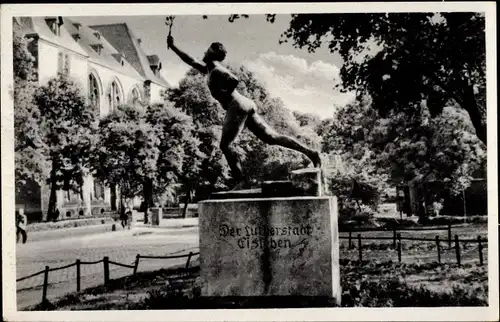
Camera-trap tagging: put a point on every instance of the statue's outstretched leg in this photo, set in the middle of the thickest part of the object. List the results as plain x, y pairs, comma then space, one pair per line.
233, 125
264, 132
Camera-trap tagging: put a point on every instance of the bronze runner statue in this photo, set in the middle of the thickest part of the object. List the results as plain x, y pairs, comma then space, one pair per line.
241, 111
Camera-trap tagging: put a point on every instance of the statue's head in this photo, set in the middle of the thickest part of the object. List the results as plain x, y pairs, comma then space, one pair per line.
216, 52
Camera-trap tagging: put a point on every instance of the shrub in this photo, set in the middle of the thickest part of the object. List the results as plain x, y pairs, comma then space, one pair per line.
66, 224
445, 220
357, 193
394, 293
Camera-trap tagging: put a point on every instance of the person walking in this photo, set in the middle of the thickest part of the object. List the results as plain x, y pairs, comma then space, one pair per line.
128, 218
123, 218
21, 222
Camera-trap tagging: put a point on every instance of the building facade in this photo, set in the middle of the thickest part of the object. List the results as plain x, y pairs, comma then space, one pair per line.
111, 68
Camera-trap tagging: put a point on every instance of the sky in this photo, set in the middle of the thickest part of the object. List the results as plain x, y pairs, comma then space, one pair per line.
303, 80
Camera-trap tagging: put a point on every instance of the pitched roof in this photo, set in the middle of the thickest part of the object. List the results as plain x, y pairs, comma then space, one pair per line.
88, 39
40, 27
122, 38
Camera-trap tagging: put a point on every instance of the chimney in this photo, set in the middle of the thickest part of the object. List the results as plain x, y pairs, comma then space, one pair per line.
139, 41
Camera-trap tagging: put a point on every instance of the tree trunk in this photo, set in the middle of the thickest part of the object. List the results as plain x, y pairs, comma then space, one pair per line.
53, 193
122, 206
477, 121
147, 189
467, 100
113, 197
186, 201
476, 117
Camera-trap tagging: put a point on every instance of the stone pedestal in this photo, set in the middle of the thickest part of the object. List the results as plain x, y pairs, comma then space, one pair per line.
156, 216
309, 181
270, 247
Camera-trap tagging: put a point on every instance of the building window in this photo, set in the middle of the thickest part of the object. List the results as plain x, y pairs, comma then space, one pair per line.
60, 63
63, 63
135, 97
114, 97
94, 94
147, 91
66, 64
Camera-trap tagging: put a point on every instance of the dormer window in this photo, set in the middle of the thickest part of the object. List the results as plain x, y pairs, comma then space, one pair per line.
76, 37
154, 63
97, 35
120, 58
77, 26
156, 68
97, 48
55, 24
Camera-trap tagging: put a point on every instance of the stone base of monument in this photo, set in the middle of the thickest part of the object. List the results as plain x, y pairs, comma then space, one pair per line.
156, 216
303, 182
308, 181
275, 247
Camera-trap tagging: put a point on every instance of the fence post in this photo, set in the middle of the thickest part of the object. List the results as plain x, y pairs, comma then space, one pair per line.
78, 275
189, 259
45, 284
449, 235
136, 265
457, 250
438, 246
106, 269
360, 249
394, 238
350, 239
480, 247
399, 247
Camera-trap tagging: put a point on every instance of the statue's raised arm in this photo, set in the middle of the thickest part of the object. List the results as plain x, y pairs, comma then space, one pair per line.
202, 67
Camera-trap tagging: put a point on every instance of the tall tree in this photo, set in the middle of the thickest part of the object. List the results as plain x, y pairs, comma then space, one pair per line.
28, 145
404, 59
417, 148
180, 158
127, 152
307, 119
68, 126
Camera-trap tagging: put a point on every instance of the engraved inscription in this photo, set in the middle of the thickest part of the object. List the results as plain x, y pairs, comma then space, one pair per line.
254, 237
